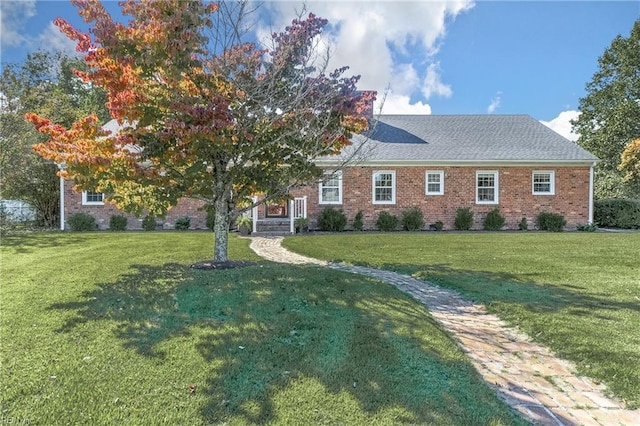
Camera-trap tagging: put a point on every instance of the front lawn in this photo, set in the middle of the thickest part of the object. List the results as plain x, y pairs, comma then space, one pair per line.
106, 328
578, 293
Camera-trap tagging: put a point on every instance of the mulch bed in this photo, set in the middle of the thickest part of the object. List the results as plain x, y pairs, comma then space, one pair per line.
208, 265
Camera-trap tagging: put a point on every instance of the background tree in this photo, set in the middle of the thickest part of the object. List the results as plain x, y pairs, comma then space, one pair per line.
215, 118
610, 114
630, 163
45, 83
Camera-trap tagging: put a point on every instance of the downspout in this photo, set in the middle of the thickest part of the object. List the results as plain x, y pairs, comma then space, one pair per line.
61, 167
254, 216
591, 193
292, 205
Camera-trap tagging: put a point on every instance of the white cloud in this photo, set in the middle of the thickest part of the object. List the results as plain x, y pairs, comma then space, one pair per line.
561, 124
405, 78
373, 38
432, 85
400, 104
53, 39
495, 103
13, 16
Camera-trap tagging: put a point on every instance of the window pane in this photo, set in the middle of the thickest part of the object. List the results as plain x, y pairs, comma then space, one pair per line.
331, 182
330, 194
434, 183
94, 197
330, 188
433, 187
542, 182
485, 181
486, 194
384, 179
383, 194
541, 187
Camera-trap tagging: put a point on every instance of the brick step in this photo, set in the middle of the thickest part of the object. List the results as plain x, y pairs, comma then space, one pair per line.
270, 234
272, 225
273, 228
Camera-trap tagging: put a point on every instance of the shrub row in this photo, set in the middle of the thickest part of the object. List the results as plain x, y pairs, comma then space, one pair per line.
83, 222
333, 220
617, 213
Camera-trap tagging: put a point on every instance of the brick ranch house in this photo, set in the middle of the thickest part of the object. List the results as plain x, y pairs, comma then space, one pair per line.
437, 163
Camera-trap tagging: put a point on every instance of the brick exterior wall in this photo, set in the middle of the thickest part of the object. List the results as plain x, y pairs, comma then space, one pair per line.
571, 197
102, 213
516, 199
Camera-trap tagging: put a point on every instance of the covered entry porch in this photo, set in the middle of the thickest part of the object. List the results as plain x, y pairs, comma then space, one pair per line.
278, 218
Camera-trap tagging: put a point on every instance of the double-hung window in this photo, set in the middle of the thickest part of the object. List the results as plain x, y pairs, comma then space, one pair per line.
486, 187
331, 188
434, 182
90, 198
543, 183
384, 187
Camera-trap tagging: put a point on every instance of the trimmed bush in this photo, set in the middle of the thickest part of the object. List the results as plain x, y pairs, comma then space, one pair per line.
586, 227
553, 222
117, 223
387, 222
617, 213
523, 225
438, 226
332, 220
494, 220
358, 223
412, 219
183, 223
464, 219
149, 223
82, 222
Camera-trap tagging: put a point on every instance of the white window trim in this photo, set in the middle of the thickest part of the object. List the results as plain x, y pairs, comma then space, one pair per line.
552, 180
393, 186
496, 187
426, 182
337, 174
91, 203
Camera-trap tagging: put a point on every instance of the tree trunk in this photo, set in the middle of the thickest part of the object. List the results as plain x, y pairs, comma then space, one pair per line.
221, 230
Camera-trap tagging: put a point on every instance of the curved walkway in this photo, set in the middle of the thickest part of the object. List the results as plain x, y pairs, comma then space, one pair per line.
541, 387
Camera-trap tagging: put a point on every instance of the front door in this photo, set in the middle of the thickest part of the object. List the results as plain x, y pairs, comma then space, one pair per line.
276, 210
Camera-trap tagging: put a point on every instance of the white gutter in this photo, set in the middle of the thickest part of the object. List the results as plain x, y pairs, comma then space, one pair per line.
460, 163
591, 193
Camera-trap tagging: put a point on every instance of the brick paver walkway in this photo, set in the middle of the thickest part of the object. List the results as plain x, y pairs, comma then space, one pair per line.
541, 387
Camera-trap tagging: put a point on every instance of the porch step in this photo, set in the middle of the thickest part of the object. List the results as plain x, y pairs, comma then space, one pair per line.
274, 226
270, 234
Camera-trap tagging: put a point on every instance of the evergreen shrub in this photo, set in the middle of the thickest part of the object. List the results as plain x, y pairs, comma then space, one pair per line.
387, 222
332, 220
82, 222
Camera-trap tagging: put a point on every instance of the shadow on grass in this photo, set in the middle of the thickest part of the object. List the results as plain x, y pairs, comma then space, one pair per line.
310, 344
490, 288
579, 324
29, 242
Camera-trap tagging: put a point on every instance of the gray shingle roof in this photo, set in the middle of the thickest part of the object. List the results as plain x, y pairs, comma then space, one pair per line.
464, 139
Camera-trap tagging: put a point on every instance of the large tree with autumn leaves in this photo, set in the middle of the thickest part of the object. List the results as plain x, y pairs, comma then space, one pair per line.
203, 114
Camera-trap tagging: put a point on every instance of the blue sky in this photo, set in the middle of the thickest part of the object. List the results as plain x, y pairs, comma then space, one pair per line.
453, 57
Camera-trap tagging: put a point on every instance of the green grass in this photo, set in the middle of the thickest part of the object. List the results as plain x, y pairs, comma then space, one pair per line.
578, 293
107, 328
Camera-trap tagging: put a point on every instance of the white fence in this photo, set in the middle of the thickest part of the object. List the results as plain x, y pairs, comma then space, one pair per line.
17, 210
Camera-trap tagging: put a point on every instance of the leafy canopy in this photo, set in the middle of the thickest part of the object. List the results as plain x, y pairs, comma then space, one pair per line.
213, 124
610, 114
44, 82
